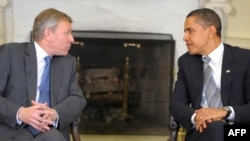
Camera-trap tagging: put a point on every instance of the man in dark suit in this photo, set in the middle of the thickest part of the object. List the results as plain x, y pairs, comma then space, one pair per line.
230, 65
21, 69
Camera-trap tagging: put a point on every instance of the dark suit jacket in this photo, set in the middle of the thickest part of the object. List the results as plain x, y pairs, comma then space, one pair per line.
235, 85
18, 83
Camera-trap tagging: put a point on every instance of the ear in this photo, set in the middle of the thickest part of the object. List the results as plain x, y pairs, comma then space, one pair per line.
212, 31
47, 34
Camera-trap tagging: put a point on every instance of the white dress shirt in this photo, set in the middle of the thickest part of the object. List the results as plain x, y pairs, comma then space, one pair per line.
40, 54
216, 64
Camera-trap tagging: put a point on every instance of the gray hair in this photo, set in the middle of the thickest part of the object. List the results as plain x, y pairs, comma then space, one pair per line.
49, 18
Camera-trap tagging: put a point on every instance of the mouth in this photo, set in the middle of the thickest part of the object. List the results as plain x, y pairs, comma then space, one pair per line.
68, 47
188, 45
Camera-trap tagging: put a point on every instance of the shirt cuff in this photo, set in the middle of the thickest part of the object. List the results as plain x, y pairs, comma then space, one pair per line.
192, 118
18, 121
231, 117
55, 123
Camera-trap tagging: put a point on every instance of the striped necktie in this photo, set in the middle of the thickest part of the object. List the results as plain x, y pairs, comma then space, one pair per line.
211, 90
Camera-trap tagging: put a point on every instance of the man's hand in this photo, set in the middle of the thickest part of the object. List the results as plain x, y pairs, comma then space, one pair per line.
49, 113
38, 115
205, 116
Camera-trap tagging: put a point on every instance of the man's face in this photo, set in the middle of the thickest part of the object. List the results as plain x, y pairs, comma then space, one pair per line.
196, 37
61, 38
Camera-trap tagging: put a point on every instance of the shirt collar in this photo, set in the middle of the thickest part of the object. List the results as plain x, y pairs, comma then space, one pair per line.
40, 52
217, 53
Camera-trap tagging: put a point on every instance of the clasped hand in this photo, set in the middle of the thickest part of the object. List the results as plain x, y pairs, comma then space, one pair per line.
38, 115
204, 116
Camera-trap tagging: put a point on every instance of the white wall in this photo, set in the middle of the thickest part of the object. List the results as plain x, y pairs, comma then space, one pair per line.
157, 16
238, 31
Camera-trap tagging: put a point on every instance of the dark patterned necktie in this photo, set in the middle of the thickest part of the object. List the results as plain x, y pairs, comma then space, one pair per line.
211, 90
44, 89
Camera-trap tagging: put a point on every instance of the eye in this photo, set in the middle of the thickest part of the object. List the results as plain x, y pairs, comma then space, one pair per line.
189, 30
67, 33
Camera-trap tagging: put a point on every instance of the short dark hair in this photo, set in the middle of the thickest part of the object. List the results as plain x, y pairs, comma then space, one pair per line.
207, 17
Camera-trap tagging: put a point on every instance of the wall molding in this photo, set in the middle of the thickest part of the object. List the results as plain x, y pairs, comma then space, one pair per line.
222, 8
241, 41
3, 3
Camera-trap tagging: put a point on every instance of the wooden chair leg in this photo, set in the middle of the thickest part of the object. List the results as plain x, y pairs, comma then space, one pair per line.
75, 130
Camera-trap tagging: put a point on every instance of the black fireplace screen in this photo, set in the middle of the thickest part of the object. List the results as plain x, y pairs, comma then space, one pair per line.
127, 80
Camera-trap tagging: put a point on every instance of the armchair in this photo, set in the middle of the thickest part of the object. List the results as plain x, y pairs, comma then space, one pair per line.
75, 130
177, 132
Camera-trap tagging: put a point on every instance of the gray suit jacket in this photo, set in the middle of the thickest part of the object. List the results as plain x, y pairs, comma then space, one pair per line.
18, 82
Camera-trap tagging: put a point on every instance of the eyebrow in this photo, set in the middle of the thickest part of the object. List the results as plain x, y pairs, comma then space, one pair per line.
188, 29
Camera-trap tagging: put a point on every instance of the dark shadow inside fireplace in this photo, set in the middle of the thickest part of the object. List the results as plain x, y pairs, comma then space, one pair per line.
127, 80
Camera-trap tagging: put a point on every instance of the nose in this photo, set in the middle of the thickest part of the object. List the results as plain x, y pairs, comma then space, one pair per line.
185, 37
71, 38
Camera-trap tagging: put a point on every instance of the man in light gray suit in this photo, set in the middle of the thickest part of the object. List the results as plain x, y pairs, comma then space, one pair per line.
21, 68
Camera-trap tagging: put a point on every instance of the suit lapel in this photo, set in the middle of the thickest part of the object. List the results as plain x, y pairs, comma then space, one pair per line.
196, 69
226, 74
56, 74
31, 75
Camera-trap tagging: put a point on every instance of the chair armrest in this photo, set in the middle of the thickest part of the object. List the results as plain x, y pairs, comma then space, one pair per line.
75, 130
173, 127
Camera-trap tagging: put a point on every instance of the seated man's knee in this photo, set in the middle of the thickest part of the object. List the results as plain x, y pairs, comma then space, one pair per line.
51, 135
216, 126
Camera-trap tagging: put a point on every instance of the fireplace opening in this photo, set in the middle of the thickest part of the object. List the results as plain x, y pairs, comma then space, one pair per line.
127, 80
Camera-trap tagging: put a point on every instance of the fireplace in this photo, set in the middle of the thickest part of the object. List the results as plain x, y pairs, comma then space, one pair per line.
127, 80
